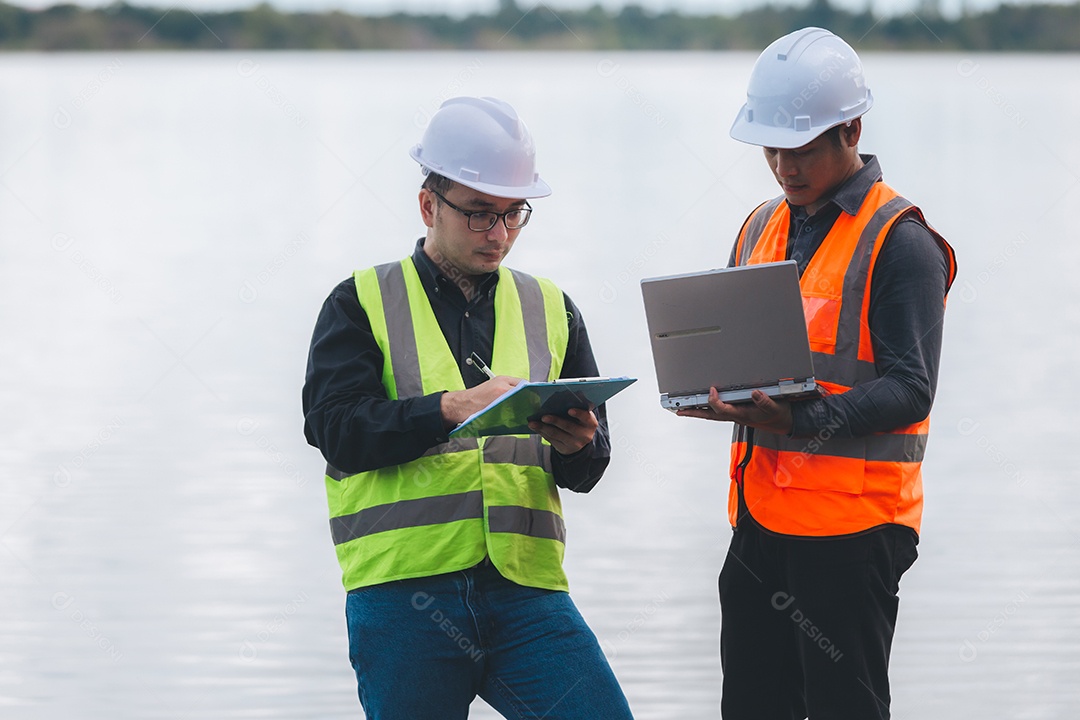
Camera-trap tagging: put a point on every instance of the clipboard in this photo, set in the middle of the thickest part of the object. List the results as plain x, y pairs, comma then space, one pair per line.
511, 412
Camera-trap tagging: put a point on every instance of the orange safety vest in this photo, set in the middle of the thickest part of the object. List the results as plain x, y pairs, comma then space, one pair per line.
823, 485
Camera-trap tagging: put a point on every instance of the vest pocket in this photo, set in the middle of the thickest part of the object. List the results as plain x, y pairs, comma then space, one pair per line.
803, 470
822, 318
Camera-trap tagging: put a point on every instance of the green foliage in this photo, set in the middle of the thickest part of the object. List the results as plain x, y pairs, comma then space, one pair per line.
516, 26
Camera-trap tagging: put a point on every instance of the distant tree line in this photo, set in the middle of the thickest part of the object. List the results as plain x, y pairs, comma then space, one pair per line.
530, 27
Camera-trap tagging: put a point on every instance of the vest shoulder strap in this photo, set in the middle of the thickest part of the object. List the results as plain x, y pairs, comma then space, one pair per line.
753, 227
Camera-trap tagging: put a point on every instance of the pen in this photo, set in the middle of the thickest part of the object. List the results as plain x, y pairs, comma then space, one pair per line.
476, 361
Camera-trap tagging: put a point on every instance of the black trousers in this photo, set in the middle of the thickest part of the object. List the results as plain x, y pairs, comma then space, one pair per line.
807, 624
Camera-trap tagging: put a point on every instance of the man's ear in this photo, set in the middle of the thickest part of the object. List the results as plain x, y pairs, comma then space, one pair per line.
427, 206
851, 132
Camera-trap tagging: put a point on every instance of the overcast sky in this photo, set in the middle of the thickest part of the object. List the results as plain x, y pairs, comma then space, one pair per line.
950, 8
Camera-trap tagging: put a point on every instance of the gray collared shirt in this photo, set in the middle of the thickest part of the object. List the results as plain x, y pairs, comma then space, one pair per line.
907, 309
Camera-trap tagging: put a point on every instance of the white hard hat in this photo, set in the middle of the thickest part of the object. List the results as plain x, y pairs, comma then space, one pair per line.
801, 85
483, 144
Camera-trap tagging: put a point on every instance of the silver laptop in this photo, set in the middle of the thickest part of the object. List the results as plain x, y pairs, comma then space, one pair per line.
738, 329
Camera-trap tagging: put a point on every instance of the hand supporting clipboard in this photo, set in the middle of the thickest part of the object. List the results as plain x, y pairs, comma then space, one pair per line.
511, 412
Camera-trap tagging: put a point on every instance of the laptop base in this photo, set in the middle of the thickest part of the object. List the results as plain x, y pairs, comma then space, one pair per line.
784, 390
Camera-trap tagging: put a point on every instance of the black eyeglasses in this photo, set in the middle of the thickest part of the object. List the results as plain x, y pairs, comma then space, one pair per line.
483, 221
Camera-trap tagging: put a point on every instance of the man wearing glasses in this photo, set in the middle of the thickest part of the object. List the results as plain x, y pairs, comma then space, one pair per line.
451, 550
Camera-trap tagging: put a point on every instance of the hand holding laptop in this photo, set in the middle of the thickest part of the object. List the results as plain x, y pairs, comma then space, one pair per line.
763, 413
726, 336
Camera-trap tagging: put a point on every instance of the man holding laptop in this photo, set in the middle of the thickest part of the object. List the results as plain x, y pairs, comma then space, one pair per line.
826, 493
451, 549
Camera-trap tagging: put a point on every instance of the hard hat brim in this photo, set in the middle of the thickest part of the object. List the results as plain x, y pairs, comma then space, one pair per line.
786, 138
537, 189
774, 137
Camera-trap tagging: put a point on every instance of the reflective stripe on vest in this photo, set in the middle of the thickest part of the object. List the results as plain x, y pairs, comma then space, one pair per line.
407, 513
887, 447
445, 509
465, 498
824, 485
523, 521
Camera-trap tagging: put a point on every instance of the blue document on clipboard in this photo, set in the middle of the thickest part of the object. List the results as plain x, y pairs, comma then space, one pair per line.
511, 412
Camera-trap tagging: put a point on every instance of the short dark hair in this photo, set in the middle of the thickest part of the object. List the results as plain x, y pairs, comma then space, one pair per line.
437, 183
833, 134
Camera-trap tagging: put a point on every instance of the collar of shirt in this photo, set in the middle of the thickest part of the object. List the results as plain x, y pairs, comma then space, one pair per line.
468, 326
849, 196
806, 232
437, 282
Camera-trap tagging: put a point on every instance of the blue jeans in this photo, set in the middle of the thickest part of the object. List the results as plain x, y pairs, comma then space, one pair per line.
425, 648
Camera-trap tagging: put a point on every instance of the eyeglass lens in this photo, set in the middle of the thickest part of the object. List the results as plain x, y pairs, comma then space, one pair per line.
514, 219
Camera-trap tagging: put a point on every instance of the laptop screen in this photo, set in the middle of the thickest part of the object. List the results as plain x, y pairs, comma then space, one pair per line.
733, 329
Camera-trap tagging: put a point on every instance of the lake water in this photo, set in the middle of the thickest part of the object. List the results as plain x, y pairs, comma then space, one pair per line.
170, 224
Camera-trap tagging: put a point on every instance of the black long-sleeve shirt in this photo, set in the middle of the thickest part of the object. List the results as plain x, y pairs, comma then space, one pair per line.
907, 309
348, 416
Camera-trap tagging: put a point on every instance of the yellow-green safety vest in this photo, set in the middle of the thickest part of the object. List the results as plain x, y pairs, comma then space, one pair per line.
468, 497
